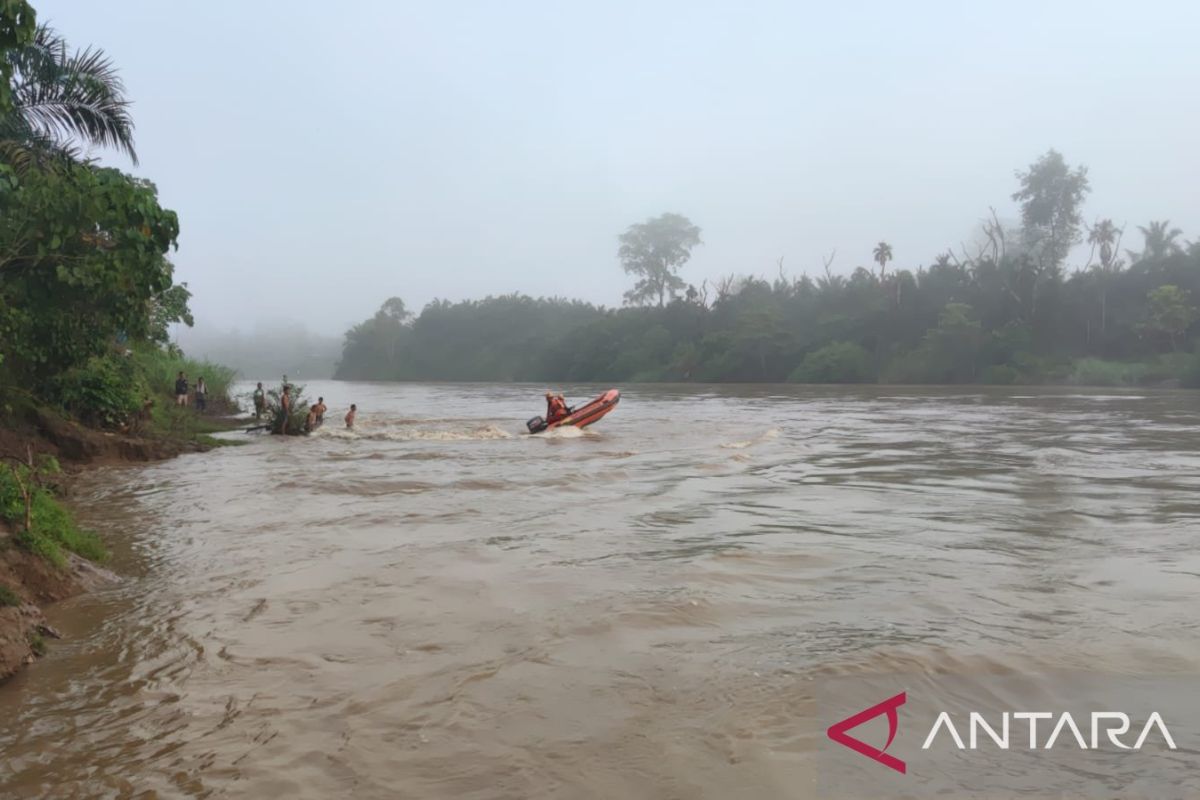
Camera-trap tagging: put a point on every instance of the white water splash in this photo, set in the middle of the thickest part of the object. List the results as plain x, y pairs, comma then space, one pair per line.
765, 437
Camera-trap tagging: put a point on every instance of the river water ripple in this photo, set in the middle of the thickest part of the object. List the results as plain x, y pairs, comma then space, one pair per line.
435, 605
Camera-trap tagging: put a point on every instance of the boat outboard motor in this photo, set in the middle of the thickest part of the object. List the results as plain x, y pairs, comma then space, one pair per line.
536, 424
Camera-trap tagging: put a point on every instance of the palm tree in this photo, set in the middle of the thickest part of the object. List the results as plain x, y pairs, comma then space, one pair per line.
63, 100
883, 254
1107, 237
1160, 241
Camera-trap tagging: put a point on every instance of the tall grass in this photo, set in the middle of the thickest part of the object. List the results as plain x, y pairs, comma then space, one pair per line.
161, 367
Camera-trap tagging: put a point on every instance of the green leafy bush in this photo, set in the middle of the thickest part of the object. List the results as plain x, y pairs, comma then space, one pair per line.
836, 362
1098, 372
105, 392
1190, 376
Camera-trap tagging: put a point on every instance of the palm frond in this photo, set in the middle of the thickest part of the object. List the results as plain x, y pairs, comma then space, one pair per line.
62, 98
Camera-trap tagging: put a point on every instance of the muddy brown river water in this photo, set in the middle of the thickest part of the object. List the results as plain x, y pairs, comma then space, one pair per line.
435, 605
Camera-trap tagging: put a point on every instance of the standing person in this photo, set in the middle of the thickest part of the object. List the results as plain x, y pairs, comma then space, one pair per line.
350, 416
260, 402
181, 389
201, 394
320, 408
310, 422
285, 408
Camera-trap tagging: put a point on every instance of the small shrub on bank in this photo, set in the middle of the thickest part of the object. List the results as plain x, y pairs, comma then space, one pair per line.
52, 527
1098, 372
104, 393
8, 597
837, 362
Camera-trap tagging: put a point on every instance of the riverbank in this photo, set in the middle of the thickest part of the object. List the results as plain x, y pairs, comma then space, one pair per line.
44, 556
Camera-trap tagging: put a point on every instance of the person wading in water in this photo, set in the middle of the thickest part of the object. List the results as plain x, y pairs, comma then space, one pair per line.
285, 408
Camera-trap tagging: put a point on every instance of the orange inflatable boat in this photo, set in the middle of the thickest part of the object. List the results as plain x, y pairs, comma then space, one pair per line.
580, 416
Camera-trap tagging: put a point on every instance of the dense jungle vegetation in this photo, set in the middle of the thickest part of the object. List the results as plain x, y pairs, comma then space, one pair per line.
1006, 310
87, 290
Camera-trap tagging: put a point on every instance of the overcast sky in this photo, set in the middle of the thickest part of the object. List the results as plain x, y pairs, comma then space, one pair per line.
324, 156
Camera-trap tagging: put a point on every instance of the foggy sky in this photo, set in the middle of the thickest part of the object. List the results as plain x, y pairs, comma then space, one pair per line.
324, 156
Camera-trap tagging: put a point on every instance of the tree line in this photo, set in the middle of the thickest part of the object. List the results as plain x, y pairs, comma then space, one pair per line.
1004, 310
85, 277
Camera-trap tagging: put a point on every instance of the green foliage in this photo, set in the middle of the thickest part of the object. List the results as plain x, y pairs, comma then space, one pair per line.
1190, 371
82, 259
53, 529
37, 644
106, 392
1007, 315
159, 367
836, 362
8, 597
61, 99
1159, 239
1169, 313
293, 423
1051, 195
168, 307
1098, 372
655, 250
17, 27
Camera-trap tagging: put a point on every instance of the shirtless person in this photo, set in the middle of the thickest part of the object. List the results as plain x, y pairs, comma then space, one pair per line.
350, 416
320, 408
285, 406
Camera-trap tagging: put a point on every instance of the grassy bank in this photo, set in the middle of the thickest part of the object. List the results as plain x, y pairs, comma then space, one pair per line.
43, 525
118, 406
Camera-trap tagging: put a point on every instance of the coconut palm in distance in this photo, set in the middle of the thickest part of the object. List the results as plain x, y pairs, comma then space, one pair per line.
1107, 236
882, 254
63, 100
1159, 240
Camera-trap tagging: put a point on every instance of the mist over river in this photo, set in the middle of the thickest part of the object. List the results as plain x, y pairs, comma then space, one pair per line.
437, 605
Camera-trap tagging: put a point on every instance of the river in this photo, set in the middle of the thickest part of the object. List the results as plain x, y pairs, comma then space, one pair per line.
435, 605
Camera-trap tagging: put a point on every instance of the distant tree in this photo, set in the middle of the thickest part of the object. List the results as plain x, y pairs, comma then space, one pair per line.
1051, 195
655, 250
1169, 313
394, 309
1159, 241
882, 254
1107, 237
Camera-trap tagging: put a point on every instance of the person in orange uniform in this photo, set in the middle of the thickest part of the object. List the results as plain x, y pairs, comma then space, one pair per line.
556, 407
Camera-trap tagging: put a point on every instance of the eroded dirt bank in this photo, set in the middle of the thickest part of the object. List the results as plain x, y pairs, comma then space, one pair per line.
28, 582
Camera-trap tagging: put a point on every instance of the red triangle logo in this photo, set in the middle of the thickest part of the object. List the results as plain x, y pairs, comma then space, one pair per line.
837, 731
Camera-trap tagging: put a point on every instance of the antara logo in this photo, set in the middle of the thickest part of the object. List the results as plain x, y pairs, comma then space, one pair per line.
837, 731
1114, 725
